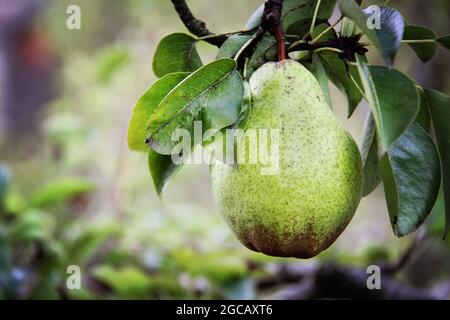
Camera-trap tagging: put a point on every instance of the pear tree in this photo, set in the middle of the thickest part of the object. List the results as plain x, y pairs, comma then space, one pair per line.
274, 74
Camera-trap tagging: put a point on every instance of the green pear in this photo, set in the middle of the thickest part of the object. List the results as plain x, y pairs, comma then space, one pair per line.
303, 208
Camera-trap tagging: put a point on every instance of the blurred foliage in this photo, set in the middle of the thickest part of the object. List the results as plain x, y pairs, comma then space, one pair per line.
81, 198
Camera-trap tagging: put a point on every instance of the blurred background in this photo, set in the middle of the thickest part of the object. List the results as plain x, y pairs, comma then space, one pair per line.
71, 193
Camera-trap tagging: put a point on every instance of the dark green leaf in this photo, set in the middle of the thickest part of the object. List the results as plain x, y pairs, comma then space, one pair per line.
393, 99
60, 191
295, 11
388, 37
146, 105
425, 51
301, 27
176, 53
411, 177
337, 72
232, 45
266, 50
439, 105
321, 76
213, 95
162, 168
369, 153
444, 41
423, 117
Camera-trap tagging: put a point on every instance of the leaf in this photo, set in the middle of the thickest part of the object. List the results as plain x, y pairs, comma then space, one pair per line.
110, 60
388, 37
232, 45
294, 11
439, 105
213, 95
411, 176
322, 79
176, 53
349, 28
301, 27
444, 41
337, 73
146, 105
127, 282
162, 168
423, 117
369, 153
60, 191
266, 50
425, 51
83, 248
393, 99
32, 225
255, 19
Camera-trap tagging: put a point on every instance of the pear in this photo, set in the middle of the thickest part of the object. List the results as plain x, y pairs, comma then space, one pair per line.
303, 208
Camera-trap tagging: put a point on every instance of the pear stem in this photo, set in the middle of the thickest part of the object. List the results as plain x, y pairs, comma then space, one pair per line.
281, 42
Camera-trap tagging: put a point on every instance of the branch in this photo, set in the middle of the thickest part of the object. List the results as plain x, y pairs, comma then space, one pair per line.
271, 20
349, 46
196, 26
337, 282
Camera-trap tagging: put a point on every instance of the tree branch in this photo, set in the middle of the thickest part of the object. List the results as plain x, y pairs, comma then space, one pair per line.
330, 281
194, 25
349, 46
271, 20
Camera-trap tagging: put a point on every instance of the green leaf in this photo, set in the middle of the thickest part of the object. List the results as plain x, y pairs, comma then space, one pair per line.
266, 50
60, 191
349, 28
232, 45
128, 282
337, 73
444, 41
32, 225
82, 248
425, 51
176, 53
393, 99
439, 105
146, 105
110, 60
388, 37
295, 11
301, 27
322, 79
213, 95
369, 153
162, 168
411, 176
423, 117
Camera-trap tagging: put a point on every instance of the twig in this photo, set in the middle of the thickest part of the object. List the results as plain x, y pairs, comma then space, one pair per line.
271, 20
194, 25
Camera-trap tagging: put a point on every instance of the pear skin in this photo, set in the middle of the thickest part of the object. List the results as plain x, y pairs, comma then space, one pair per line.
303, 208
